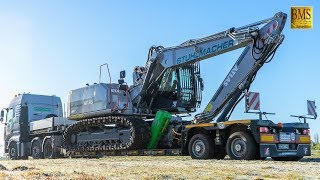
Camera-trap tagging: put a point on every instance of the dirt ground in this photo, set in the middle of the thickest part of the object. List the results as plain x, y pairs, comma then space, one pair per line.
159, 167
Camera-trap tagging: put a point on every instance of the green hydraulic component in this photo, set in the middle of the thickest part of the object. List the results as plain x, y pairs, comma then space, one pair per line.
159, 125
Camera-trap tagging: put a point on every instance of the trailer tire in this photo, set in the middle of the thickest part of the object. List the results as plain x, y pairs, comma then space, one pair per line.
36, 150
201, 147
48, 150
241, 146
295, 158
13, 151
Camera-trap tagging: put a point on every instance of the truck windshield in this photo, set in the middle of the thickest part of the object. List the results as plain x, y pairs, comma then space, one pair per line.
11, 118
10, 115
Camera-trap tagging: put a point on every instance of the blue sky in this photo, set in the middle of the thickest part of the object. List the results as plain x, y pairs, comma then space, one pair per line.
51, 47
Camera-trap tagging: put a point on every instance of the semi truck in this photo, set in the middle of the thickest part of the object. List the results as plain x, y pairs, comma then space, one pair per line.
33, 124
148, 116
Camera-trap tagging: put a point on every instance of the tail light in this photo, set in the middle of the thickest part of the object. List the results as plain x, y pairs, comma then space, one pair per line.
306, 132
263, 129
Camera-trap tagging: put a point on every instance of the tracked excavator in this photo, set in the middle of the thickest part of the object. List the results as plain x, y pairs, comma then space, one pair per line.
116, 117
170, 80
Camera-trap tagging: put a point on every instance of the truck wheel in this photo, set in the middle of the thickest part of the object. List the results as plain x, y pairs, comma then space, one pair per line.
36, 151
13, 151
201, 147
241, 146
48, 151
295, 158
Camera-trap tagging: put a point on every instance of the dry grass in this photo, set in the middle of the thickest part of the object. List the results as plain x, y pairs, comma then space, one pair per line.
160, 167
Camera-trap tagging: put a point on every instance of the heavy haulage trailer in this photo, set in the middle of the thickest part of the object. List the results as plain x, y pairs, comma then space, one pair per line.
147, 117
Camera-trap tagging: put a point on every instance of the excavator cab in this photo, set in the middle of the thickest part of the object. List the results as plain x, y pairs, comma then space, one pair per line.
179, 89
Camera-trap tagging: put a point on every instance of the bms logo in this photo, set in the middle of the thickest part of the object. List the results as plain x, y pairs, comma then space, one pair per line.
301, 17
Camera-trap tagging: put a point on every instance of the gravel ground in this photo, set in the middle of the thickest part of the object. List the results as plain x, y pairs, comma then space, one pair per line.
159, 167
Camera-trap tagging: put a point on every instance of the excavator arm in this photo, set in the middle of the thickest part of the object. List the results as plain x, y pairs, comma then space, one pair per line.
242, 74
260, 40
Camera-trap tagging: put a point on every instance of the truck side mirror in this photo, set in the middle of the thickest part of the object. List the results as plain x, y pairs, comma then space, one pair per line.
2, 115
122, 74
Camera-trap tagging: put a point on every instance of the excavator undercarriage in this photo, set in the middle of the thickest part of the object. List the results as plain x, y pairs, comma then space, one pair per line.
107, 133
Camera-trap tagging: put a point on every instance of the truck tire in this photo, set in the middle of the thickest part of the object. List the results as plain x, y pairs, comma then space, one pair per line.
48, 151
13, 151
201, 147
241, 146
295, 158
36, 150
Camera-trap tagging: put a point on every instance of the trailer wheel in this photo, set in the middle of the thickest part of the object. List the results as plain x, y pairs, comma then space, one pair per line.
241, 146
48, 151
201, 147
36, 150
295, 158
13, 151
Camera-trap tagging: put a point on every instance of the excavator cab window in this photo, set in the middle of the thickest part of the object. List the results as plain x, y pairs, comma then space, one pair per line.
187, 87
190, 86
181, 85
168, 86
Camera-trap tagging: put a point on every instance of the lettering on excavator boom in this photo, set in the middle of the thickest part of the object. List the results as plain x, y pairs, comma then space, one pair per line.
230, 75
205, 51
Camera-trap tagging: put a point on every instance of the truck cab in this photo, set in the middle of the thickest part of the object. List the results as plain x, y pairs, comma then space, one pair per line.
23, 110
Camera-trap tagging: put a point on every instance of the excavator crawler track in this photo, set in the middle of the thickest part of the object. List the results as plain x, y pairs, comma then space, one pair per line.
138, 139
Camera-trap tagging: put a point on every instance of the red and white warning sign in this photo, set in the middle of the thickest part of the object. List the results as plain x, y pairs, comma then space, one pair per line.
252, 101
311, 108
